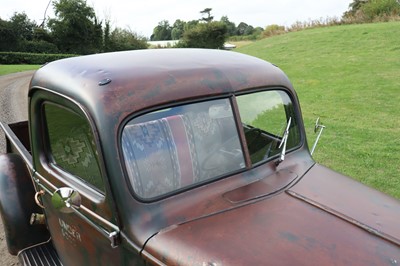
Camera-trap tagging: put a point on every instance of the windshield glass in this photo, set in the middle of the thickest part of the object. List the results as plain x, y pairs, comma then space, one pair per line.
181, 146
265, 116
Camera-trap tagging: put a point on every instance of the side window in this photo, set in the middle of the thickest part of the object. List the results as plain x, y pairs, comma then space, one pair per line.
179, 147
72, 144
264, 118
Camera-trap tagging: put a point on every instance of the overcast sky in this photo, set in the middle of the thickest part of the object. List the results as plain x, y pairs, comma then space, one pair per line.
143, 16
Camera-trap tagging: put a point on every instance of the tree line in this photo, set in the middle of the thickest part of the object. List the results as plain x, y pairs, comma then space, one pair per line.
75, 30
165, 31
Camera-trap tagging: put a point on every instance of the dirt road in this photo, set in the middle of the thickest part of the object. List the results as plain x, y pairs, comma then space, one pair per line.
13, 108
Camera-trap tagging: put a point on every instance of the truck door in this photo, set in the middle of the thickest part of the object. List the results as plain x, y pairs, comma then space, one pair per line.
66, 157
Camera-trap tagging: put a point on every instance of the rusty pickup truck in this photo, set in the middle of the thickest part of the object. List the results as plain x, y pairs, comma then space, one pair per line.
179, 157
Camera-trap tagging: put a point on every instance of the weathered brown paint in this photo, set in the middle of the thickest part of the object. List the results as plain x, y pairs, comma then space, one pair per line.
344, 197
17, 205
290, 214
276, 231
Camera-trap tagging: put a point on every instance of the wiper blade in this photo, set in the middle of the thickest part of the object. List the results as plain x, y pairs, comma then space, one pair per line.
283, 142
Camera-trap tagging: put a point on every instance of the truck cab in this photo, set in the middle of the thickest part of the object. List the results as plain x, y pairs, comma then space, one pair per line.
179, 157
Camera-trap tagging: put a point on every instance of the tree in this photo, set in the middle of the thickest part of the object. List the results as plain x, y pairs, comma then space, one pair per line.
178, 29
162, 31
205, 35
22, 25
241, 29
354, 8
41, 34
230, 26
380, 9
23, 35
249, 30
368, 10
207, 12
75, 28
107, 37
191, 24
125, 39
9, 39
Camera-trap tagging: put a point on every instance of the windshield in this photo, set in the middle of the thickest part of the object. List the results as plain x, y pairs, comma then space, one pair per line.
264, 117
177, 147
183, 146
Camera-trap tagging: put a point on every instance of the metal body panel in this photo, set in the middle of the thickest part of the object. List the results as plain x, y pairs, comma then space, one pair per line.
280, 230
17, 204
347, 199
291, 213
325, 219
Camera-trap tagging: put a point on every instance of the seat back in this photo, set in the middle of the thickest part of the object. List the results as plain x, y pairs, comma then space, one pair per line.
159, 156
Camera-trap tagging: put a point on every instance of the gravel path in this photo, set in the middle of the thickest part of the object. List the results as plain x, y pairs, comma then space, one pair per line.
13, 108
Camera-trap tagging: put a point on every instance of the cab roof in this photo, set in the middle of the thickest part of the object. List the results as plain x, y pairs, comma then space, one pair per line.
116, 84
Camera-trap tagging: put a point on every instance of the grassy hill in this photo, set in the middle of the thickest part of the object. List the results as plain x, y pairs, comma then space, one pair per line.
350, 77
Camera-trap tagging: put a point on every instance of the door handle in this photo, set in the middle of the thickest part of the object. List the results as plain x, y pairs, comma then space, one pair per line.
37, 200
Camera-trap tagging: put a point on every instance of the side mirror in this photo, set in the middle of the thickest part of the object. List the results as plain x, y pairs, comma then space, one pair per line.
66, 199
318, 126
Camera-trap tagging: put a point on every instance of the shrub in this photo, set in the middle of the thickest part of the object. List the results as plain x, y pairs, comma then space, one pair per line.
273, 30
374, 9
30, 58
205, 35
38, 47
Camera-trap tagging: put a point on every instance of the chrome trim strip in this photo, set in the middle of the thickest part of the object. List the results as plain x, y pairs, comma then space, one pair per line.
106, 228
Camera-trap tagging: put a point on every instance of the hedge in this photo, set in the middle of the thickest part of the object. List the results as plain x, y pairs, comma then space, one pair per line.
30, 58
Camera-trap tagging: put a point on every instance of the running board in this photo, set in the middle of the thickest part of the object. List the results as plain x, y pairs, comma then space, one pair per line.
40, 255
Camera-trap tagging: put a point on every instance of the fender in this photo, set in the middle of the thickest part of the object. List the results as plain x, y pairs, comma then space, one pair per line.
17, 204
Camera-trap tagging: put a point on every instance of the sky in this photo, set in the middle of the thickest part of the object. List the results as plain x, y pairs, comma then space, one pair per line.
143, 16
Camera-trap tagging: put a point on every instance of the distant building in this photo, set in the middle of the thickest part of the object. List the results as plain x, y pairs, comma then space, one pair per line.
172, 43
162, 44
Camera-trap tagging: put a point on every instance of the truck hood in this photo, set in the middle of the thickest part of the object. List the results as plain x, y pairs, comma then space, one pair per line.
325, 219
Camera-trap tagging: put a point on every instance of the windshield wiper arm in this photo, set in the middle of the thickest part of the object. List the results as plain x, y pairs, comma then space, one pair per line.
283, 142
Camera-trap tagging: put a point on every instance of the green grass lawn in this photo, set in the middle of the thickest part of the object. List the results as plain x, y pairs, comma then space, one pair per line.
350, 77
8, 69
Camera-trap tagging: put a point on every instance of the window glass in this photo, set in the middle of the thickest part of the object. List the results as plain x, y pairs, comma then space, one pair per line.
72, 144
181, 146
264, 118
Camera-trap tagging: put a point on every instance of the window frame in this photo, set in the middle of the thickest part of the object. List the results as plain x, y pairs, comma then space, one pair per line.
229, 97
297, 117
236, 115
61, 173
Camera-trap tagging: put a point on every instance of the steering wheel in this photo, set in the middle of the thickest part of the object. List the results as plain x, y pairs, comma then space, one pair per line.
249, 132
253, 144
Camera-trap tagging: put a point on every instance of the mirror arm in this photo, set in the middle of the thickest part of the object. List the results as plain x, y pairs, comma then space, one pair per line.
113, 236
67, 200
321, 128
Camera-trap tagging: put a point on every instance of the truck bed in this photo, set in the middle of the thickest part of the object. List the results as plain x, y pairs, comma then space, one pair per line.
21, 130
17, 140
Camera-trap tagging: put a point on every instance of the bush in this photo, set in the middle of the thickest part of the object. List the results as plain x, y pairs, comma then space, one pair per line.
29, 58
252, 37
374, 9
205, 35
38, 47
273, 30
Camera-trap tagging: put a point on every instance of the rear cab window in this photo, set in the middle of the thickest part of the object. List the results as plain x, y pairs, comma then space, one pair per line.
172, 149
